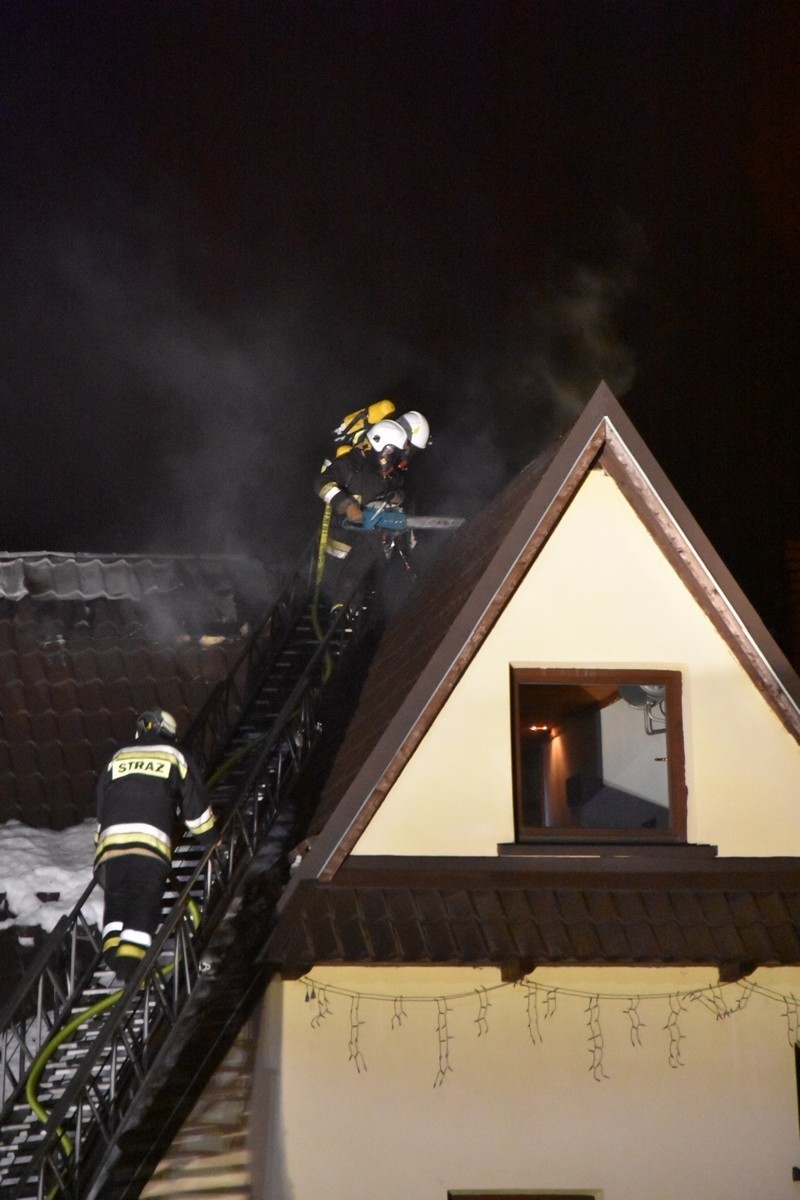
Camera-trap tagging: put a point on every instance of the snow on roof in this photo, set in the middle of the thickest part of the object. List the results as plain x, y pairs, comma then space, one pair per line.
43, 873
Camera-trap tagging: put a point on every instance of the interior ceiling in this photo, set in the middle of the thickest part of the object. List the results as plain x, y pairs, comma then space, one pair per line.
553, 703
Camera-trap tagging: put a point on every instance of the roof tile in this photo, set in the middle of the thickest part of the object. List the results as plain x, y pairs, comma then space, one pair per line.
86, 641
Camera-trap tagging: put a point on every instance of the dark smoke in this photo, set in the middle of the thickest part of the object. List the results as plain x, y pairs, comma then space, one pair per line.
151, 416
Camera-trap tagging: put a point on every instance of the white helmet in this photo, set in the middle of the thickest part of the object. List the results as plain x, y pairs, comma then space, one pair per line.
387, 435
417, 428
388, 445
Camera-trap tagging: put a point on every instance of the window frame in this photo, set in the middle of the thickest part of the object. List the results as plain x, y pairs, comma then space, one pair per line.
676, 832
504, 1195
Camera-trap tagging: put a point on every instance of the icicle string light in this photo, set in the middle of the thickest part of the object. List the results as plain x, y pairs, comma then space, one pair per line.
355, 1024
483, 1007
792, 1016
595, 1038
552, 994
323, 1008
674, 1029
533, 1014
399, 1014
714, 1000
443, 1035
722, 1000
637, 1024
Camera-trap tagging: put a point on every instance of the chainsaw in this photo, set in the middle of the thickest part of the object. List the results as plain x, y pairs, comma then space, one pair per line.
393, 520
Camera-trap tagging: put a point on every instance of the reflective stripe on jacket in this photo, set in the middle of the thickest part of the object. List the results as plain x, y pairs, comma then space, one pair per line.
141, 793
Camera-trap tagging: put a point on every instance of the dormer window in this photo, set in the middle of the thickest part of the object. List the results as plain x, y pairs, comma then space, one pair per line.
598, 755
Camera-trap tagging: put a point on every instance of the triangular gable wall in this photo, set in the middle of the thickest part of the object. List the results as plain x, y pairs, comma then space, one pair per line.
600, 594
602, 436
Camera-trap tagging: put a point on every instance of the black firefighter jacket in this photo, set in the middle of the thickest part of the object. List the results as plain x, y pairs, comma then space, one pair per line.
140, 794
351, 477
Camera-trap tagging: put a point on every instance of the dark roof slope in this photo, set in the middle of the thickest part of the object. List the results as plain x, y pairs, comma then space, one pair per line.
86, 642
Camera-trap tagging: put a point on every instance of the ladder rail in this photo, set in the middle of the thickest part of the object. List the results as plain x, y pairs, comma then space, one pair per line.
210, 731
151, 1006
45, 997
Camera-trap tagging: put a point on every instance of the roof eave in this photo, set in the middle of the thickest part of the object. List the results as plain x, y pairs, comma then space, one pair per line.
516, 914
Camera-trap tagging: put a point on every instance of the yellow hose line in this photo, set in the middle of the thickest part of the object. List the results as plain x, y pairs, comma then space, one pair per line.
223, 768
46, 1054
50, 1047
325, 529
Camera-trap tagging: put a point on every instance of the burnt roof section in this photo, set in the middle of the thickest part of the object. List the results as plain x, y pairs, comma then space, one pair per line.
433, 638
208, 588
87, 642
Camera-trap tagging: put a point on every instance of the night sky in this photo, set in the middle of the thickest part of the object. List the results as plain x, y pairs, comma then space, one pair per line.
226, 224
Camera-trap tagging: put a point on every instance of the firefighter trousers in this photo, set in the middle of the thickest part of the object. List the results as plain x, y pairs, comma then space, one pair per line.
134, 890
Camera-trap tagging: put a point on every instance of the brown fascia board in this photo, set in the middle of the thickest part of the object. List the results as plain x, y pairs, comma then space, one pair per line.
639, 872
603, 435
627, 460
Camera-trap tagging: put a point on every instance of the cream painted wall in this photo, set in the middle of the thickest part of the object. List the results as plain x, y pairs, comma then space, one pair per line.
600, 594
517, 1115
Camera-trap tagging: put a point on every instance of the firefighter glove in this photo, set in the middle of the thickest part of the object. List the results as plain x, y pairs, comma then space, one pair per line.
353, 513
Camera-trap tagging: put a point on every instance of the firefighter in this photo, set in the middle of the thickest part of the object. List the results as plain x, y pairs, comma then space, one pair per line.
371, 471
140, 794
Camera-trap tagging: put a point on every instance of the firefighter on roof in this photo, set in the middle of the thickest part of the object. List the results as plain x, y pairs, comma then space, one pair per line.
141, 792
371, 471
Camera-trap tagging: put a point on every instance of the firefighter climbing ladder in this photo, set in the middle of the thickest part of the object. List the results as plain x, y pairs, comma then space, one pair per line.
94, 1076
